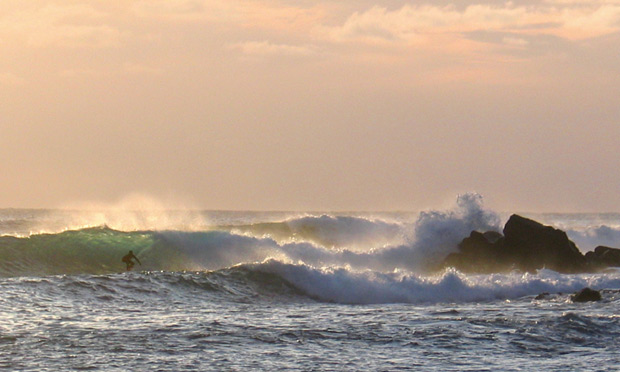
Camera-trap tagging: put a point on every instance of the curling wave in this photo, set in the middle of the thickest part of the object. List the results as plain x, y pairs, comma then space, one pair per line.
98, 250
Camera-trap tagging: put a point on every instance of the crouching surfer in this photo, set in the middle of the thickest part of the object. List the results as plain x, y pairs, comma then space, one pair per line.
128, 260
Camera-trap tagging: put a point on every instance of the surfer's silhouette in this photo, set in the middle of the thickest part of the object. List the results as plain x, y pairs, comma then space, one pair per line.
128, 260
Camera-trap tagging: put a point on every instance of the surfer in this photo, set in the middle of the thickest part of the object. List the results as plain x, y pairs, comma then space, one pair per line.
128, 260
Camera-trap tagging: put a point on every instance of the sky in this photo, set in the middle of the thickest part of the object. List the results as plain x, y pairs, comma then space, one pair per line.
311, 105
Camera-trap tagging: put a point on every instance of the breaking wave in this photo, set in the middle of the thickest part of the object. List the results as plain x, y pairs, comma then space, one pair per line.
314, 241
275, 281
345, 286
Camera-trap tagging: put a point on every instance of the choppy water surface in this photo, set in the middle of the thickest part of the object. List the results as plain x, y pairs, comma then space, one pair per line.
197, 322
288, 291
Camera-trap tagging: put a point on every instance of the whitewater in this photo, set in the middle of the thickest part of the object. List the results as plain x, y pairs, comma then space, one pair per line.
311, 291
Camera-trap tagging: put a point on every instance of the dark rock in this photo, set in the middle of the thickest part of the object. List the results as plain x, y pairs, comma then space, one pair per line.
542, 296
586, 295
534, 246
478, 253
603, 257
526, 245
477, 244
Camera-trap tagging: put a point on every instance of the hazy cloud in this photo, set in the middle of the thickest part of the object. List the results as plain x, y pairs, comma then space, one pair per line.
184, 10
277, 15
515, 41
59, 25
269, 48
127, 68
412, 22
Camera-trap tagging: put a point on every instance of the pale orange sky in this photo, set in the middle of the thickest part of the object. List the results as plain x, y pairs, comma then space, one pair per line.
347, 105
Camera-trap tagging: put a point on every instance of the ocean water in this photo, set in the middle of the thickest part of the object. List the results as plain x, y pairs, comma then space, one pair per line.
239, 291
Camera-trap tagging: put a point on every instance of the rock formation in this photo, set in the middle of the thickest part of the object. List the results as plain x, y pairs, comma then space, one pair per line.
603, 257
527, 245
586, 295
532, 246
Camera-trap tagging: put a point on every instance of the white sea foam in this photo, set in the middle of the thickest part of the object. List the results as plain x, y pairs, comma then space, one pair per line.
435, 235
345, 286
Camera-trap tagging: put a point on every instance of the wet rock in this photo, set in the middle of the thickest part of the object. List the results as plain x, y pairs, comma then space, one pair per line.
603, 257
526, 245
480, 253
532, 246
586, 295
542, 296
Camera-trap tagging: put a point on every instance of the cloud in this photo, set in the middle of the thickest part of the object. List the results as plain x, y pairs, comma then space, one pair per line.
76, 36
59, 25
237, 15
266, 48
515, 41
585, 22
184, 10
127, 68
412, 23
281, 16
178, 7
581, 2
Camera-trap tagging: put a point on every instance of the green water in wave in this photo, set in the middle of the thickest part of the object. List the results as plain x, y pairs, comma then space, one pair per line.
94, 250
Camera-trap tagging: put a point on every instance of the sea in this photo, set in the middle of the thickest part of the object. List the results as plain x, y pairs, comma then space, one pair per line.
292, 291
